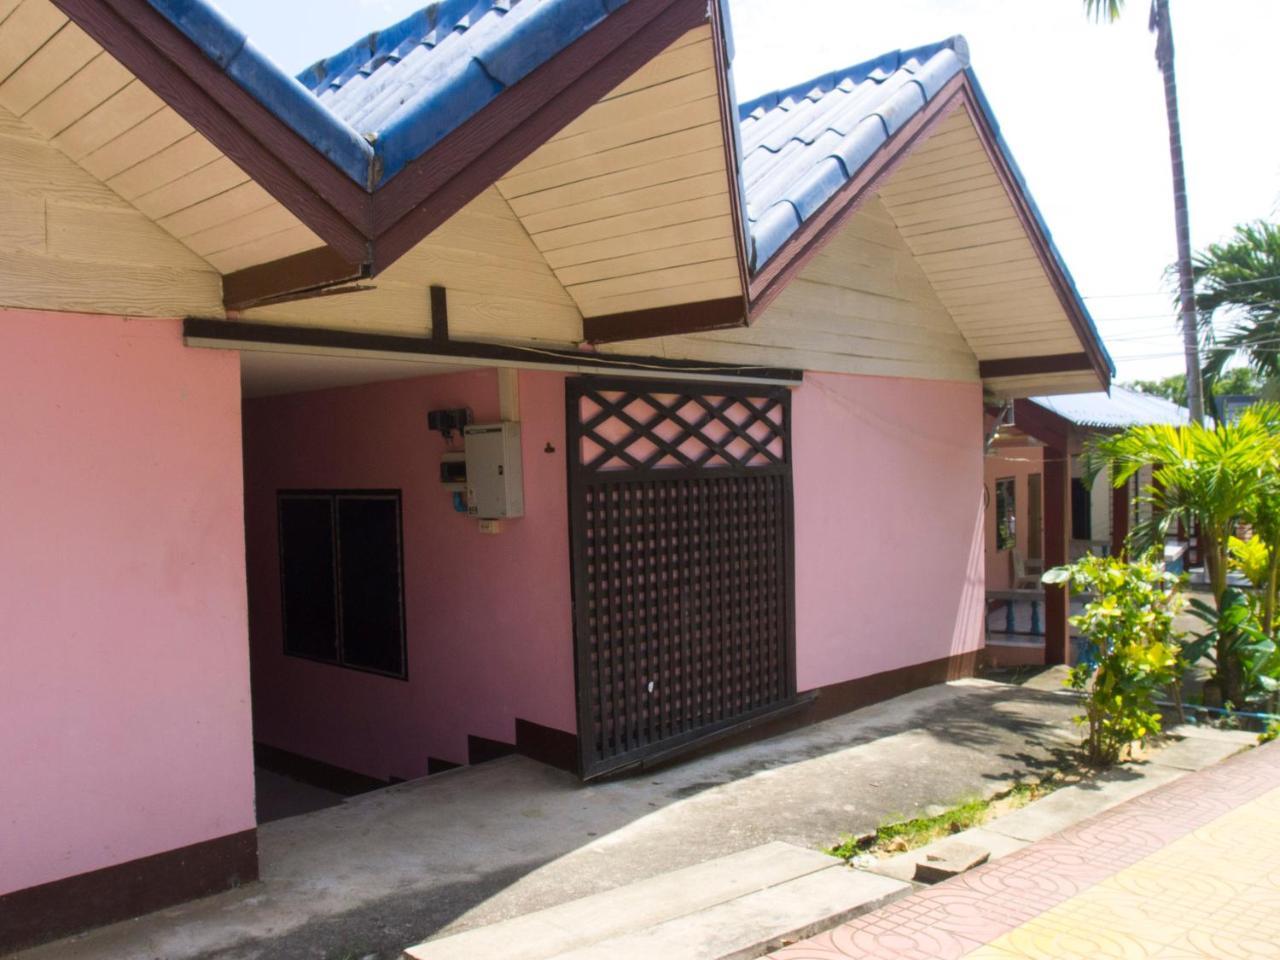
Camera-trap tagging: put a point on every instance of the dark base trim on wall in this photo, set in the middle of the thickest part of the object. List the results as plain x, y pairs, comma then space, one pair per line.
315, 772
482, 749
555, 748
436, 765
840, 698
63, 907
814, 706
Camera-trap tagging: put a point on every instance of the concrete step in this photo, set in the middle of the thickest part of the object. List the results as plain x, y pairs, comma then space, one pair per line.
756, 924
743, 902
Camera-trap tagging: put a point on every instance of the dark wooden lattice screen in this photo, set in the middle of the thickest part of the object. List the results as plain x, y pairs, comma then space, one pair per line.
681, 521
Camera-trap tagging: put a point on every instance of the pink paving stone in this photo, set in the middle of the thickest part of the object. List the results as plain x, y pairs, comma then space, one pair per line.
953, 918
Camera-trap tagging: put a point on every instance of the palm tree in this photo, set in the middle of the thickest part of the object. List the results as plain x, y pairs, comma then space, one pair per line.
1241, 278
1162, 27
1212, 477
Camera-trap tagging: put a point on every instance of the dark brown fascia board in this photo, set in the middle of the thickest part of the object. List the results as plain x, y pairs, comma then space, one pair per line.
376, 228
1062, 286
283, 163
510, 128
819, 229
207, 331
723, 314
1029, 366
729, 132
296, 277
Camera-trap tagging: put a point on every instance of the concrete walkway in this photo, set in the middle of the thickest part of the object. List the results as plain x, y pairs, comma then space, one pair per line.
1188, 870
469, 847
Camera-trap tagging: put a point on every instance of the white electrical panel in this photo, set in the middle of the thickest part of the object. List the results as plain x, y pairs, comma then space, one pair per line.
495, 478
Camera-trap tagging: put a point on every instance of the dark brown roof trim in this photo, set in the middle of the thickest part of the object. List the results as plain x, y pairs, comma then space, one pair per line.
296, 277
376, 228
510, 128
1029, 366
729, 128
819, 229
283, 163
815, 233
206, 331
666, 321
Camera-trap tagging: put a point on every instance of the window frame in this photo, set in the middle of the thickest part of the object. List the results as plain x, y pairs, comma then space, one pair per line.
334, 497
1010, 504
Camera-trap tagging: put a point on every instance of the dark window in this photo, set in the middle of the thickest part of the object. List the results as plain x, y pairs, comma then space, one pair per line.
342, 580
1081, 510
1006, 514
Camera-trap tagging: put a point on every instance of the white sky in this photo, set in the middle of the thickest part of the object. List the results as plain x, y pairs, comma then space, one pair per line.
1080, 105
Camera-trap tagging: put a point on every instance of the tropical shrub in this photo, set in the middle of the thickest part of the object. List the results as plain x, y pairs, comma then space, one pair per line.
1235, 631
1218, 479
1132, 653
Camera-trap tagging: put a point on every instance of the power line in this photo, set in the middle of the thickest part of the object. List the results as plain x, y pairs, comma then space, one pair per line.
1166, 293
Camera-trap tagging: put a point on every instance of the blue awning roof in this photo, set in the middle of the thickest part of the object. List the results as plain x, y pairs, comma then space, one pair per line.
1122, 408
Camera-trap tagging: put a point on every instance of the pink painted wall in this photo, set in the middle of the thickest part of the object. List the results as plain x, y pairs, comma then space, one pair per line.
124, 674
488, 617
888, 490
1019, 463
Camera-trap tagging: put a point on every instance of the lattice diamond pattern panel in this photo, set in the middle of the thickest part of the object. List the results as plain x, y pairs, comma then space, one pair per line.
682, 556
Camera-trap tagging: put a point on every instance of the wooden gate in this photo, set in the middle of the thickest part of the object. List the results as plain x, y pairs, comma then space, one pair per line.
681, 530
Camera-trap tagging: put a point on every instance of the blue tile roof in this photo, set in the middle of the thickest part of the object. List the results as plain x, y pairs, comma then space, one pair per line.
800, 145
388, 98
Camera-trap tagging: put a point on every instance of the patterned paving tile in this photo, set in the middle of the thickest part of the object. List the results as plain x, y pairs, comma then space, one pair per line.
1191, 869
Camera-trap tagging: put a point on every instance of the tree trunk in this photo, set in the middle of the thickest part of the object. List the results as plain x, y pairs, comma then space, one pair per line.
1186, 282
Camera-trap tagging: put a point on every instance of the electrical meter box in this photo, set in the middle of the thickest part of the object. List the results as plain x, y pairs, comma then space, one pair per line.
495, 479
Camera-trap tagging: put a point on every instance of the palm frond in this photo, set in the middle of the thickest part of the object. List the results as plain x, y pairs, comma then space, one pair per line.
1103, 11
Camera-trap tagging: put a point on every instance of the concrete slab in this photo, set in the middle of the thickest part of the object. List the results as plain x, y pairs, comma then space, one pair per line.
1070, 805
477, 846
636, 907
949, 859
753, 925
1198, 750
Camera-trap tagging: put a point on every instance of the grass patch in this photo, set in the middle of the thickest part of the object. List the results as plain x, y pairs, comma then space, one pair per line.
902, 835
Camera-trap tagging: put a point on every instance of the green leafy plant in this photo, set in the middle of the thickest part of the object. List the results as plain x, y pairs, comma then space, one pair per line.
1132, 654
1271, 733
1216, 479
1235, 631
1251, 557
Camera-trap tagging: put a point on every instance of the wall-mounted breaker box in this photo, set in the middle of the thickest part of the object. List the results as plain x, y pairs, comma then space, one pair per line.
495, 478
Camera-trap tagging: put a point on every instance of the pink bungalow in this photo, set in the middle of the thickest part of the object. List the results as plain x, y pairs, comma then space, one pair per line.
500, 383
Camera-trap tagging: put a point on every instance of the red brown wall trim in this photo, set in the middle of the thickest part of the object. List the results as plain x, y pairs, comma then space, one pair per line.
555, 748
63, 907
840, 698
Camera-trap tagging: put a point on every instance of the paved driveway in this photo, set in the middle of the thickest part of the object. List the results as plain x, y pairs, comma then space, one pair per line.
464, 848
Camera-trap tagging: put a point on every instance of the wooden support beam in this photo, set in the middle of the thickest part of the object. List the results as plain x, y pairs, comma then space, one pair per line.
1029, 366
1057, 535
296, 277
681, 318
439, 315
